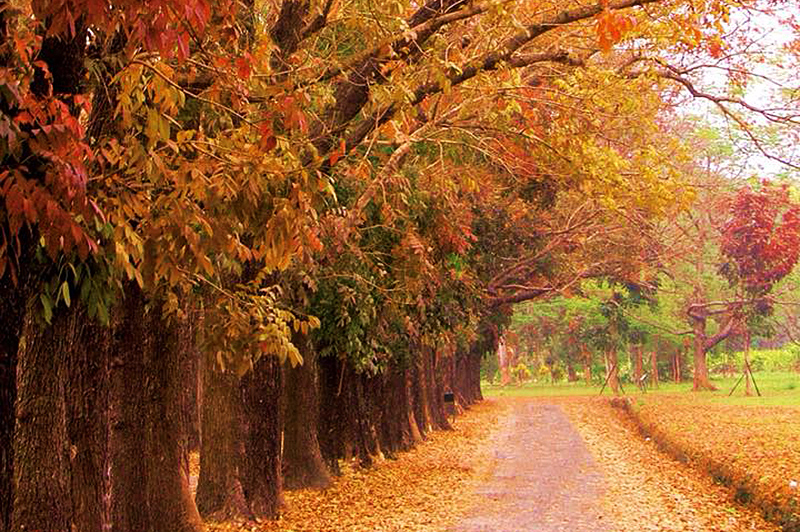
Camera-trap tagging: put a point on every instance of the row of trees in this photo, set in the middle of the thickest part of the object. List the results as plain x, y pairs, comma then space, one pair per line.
280, 231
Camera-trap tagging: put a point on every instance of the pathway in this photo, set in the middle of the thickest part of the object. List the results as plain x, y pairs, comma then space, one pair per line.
544, 478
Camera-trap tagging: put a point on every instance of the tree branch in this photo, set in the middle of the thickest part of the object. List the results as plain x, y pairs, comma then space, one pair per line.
726, 330
352, 97
720, 101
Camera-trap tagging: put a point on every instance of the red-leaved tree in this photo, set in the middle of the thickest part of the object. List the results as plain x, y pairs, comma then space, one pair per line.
761, 240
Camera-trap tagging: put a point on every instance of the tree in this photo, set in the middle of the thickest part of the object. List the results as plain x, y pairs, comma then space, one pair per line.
444, 158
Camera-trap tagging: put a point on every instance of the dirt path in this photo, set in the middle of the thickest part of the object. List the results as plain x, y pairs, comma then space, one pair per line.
580, 466
544, 480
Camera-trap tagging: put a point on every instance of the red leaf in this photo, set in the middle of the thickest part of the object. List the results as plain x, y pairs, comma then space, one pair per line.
243, 66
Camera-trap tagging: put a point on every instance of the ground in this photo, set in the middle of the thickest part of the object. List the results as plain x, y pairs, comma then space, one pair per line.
523, 464
543, 479
580, 465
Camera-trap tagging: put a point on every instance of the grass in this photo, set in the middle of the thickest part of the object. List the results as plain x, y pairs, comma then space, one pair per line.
777, 389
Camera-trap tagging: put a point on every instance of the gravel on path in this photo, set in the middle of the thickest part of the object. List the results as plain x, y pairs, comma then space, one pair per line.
544, 479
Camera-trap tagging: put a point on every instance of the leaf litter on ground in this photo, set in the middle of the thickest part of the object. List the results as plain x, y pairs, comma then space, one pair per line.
756, 449
425, 489
647, 490
428, 488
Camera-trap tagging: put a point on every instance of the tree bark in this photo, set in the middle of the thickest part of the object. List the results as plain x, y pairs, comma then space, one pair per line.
654, 369
366, 444
475, 375
701, 379
638, 363
261, 473
504, 362
170, 502
394, 420
148, 447
59, 446
422, 408
462, 385
587, 366
303, 466
41, 448
413, 425
87, 421
240, 456
219, 491
12, 306
332, 424
191, 377
435, 382
748, 390
126, 411
612, 370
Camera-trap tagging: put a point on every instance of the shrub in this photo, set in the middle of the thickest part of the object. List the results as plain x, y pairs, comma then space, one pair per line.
521, 373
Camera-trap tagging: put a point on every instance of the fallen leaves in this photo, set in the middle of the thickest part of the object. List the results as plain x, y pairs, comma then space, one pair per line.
646, 490
755, 449
423, 490
430, 488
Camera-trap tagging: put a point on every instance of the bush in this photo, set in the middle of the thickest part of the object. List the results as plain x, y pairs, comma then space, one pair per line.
784, 359
521, 373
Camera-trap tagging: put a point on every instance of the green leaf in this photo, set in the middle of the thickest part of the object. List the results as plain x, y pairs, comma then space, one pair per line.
47, 305
102, 313
65, 293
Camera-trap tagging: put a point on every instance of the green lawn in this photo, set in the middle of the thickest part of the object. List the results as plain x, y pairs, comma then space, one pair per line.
777, 389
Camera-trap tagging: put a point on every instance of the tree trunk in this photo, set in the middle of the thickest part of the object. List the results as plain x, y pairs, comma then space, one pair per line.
261, 473
411, 409
422, 408
303, 466
571, 375
475, 375
587, 366
170, 502
365, 441
748, 390
435, 381
219, 491
240, 455
126, 412
149, 459
638, 363
60, 441
373, 405
42, 499
395, 422
331, 421
654, 369
612, 370
504, 362
12, 306
191, 378
701, 380
465, 392
8, 393
87, 421
343, 425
